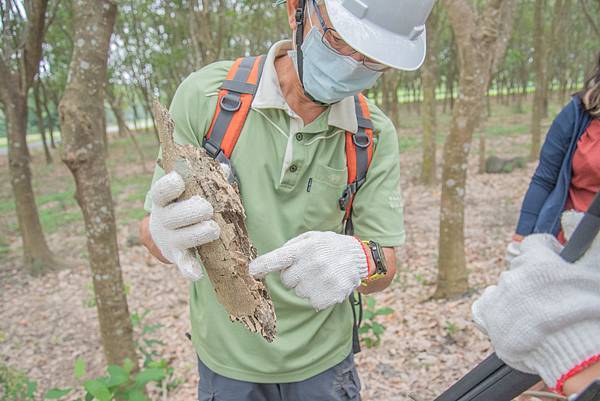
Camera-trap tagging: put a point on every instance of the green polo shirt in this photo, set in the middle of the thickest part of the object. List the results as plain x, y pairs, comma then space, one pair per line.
275, 158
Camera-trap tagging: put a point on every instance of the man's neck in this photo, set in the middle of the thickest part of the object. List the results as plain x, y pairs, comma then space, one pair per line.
293, 92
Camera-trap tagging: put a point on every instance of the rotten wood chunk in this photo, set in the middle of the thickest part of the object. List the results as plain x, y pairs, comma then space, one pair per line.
226, 259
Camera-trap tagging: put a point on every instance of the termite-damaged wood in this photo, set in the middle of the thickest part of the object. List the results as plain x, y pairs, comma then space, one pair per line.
225, 260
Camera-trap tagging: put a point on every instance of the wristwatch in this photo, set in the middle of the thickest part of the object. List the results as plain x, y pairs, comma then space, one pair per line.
591, 393
379, 259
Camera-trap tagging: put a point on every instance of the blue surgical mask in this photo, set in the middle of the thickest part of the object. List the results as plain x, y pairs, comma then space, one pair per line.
330, 77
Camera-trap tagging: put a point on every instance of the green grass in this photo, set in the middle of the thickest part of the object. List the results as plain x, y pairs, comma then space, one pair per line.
64, 199
138, 185
59, 209
133, 214
31, 138
55, 210
506, 130
4, 249
7, 205
143, 125
408, 142
54, 219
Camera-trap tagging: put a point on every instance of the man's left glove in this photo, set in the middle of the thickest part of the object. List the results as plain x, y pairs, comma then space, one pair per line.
323, 267
179, 226
543, 316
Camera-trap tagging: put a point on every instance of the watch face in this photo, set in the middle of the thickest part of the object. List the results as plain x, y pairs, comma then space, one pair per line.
379, 258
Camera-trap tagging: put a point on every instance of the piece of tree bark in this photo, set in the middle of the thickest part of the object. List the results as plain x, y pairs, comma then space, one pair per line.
226, 259
82, 126
477, 36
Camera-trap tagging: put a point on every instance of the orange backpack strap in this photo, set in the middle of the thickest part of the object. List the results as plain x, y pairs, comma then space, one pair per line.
359, 152
235, 99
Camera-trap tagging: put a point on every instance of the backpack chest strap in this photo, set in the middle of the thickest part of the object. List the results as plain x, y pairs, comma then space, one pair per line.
233, 105
359, 153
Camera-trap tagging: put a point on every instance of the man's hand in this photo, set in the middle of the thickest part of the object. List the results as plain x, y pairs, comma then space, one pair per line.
178, 227
322, 267
544, 315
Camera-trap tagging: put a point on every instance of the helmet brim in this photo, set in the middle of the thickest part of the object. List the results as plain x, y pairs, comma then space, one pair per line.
375, 42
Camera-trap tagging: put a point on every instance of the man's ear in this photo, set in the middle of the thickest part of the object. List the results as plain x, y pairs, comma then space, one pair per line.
292, 5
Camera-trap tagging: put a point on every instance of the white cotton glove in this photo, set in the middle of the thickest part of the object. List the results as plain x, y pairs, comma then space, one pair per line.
322, 267
543, 317
178, 227
512, 251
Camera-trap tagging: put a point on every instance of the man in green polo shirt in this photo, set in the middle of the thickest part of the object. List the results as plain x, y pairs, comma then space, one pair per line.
290, 161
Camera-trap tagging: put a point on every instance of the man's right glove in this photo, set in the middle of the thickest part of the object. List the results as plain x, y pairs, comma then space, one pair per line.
322, 267
178, 227
543, 316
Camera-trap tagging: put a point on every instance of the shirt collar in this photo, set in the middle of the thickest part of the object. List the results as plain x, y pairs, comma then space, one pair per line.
269, 95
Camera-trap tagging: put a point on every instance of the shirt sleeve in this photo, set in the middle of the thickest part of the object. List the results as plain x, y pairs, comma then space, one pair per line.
546, 175
378, 207
192, 109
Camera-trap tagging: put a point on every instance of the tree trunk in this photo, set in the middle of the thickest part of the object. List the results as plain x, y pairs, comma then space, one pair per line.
539, 67
37, 255
81, 114
556, 55
480, 38
482, 149
116, 107
428, 105
45, 102
595, 24
13, 95
389, 96
40, 122
147, 106
226, 259
121, 124
395, 104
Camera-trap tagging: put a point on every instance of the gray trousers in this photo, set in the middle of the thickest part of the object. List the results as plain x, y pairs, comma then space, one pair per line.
340, 383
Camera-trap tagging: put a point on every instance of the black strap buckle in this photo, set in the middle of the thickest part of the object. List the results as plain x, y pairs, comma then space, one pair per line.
347, 194
362, 141
211, 148
231, 102
217, 154
299, 15
345, 198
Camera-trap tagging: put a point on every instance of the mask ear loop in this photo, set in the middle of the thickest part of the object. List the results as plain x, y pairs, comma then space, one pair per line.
300, 38
300, 17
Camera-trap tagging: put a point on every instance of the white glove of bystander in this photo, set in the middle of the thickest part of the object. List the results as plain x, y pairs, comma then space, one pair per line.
178, 227
322, 267
543, 316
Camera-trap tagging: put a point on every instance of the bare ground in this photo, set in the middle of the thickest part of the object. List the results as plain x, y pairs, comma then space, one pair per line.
49, 321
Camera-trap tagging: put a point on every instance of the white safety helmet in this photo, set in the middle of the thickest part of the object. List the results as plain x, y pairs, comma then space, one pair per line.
391, 32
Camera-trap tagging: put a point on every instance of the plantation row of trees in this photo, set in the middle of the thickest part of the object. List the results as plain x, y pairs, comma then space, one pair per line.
63, 62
